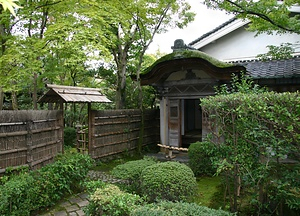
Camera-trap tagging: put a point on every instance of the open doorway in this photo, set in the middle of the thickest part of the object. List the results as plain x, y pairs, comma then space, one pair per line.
192, 122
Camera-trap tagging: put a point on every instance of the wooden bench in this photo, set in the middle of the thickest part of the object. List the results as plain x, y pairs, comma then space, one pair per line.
170, 149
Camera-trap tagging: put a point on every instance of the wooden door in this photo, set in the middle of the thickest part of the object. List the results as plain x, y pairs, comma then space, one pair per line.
174, 122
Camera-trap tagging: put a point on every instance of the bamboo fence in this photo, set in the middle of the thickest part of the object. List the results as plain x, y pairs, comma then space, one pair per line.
29, 138
117, 131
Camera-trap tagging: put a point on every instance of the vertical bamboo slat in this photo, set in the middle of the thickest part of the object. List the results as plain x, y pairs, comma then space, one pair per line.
29, 138
117, 131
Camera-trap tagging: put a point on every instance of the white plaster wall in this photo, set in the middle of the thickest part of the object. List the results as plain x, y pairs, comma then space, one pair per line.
242, 44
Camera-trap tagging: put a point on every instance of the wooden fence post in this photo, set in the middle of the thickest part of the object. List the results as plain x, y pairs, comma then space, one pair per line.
29, 156
91, 125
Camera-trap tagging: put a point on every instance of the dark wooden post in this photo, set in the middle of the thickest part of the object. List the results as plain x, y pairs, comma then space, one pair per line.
29, 161
90, 131
62, 126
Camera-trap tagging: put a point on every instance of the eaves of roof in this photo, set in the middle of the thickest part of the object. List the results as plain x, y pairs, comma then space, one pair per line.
222, 30
67, 94
186, 60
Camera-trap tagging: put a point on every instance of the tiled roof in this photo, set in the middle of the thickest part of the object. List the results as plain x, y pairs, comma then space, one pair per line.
213, 31
289, 68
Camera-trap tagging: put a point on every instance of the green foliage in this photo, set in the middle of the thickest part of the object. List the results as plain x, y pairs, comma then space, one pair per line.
10, 5
92, 186
200, 155
166, 208
265, 15
242, 84
110, 200
284, 51
253, 133
24, 193
69, 136
168, 181
132, 171
19, 195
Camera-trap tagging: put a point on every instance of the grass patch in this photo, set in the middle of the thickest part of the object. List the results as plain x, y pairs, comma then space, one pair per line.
207, 188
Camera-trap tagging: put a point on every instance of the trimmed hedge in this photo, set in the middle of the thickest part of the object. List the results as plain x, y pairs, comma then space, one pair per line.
131, 171
167, 208
22, 194
168, 181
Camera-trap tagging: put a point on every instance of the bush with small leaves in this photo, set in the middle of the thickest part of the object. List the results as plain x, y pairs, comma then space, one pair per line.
167, 208
110, 200
23, 194
168, 181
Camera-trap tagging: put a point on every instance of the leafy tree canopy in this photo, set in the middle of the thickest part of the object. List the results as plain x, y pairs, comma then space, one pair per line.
265, 15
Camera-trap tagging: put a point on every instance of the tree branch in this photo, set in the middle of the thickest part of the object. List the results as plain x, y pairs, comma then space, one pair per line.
260, 15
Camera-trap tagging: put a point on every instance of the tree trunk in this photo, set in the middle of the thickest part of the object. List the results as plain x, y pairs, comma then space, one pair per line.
121, 85
1, 98
34, 93
14, 101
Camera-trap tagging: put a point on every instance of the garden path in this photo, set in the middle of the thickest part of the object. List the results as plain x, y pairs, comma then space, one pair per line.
73, 205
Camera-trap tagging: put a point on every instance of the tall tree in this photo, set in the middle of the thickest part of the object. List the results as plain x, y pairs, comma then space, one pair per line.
265, 15
48, 40
139, 21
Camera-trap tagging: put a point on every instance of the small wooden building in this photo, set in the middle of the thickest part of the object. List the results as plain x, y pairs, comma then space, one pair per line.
183, 77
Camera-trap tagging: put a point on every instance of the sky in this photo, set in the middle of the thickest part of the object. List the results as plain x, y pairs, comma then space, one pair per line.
205, 21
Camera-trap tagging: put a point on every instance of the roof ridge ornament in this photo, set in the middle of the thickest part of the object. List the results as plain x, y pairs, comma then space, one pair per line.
179, 45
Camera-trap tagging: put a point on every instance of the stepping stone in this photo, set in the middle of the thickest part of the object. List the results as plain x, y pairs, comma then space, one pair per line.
83, 203
60, 213
72, 208
80, 213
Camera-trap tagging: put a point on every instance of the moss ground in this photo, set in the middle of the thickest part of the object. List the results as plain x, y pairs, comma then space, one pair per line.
208, 187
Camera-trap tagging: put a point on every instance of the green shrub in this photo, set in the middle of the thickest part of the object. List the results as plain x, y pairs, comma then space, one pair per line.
69, 136
167, 208
132, 171
168, 181
110, 200
200, 154
24, 193
93, 185
18, 196
63, 176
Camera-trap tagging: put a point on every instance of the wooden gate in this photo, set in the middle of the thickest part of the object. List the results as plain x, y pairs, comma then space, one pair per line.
174, 123
82, 139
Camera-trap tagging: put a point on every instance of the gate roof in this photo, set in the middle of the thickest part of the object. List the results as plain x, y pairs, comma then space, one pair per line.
71, 94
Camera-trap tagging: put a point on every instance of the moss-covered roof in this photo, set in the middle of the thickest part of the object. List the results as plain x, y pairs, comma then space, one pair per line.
181, 54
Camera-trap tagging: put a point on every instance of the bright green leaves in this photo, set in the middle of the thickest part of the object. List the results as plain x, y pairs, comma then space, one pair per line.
10, 5
283, 51
265, 15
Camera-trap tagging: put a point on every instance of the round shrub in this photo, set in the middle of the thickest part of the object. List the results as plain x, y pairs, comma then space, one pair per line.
167, 208
168, 181
200, 154
131, 171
